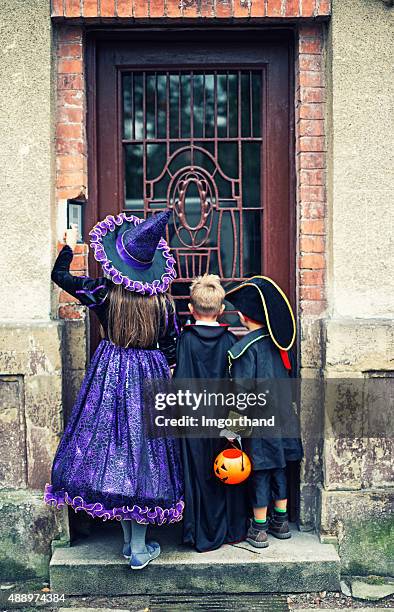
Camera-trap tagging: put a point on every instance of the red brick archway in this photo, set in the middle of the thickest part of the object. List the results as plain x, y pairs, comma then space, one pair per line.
221, 9
73, 17
307, 16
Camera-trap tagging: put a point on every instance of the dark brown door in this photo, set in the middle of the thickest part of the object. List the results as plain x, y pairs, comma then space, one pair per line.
202, 127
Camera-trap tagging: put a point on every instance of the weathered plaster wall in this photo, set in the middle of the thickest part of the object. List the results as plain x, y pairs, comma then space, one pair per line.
361, 283
31, 414
357, 492
26, 178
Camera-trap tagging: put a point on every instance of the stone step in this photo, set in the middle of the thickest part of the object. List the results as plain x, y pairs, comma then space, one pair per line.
94, 566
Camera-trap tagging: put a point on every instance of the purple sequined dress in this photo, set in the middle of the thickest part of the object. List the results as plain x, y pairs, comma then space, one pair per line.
105, 464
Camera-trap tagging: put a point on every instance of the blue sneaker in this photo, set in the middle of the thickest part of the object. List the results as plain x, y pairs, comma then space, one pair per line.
126, 551
140, 560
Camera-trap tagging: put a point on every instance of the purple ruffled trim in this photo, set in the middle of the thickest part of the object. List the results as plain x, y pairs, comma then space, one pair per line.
143, 515
109, 225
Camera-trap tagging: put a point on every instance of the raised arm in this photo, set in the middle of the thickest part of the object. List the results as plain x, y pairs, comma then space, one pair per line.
90, 292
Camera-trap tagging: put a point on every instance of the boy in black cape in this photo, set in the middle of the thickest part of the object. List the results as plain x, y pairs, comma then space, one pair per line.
262, 354
214, 514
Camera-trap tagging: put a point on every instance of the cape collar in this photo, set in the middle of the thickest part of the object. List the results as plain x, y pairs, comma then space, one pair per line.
207, 323
201, 324
242, 345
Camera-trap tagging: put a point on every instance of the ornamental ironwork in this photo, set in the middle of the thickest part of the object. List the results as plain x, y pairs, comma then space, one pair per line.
192, 141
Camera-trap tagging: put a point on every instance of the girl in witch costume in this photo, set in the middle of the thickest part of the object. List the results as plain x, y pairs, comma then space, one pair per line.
262, 354
105, 464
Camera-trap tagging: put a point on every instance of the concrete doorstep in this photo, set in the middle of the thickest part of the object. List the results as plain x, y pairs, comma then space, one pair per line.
95, 566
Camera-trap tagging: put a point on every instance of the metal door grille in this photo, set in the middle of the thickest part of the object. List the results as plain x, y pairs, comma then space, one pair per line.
192, 141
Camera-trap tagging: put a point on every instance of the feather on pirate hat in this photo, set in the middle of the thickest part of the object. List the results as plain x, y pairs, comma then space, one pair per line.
134, 253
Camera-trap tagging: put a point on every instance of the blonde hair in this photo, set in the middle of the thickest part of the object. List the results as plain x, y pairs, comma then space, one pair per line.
136, 320
207, 294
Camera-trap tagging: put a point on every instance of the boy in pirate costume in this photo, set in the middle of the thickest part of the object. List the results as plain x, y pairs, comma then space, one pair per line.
214, 514
262, 354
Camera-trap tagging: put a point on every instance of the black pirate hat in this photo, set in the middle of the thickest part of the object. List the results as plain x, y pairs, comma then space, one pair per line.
262, 300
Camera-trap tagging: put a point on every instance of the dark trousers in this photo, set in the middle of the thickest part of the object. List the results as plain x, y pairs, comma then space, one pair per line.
267, 485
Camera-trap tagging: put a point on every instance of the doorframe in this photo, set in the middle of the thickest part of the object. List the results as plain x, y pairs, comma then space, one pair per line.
73, 41
270, 35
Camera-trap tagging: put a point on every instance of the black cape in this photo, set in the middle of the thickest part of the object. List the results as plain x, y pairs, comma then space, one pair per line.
256, 357
215, 513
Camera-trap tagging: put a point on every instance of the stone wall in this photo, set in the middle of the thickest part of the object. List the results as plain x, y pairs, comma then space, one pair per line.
30, 343
31, 423
357, 496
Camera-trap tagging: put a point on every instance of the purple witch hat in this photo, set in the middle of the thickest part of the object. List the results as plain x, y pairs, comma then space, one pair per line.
134, 253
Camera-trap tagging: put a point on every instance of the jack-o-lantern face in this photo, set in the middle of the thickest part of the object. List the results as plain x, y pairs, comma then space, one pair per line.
232, 466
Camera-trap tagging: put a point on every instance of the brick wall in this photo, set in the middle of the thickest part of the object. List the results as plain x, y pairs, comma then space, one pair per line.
71, 173
71, 147
189, 8
311, 169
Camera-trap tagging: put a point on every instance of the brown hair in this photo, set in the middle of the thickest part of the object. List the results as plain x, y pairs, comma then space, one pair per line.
207, 294
136, 320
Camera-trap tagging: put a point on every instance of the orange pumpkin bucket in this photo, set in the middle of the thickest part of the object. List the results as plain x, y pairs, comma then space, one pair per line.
232, 466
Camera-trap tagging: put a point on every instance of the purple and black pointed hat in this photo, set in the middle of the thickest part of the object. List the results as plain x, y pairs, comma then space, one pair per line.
134, 253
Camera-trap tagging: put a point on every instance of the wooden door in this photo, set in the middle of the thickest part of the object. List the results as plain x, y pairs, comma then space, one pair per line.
203, 124
202, 127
